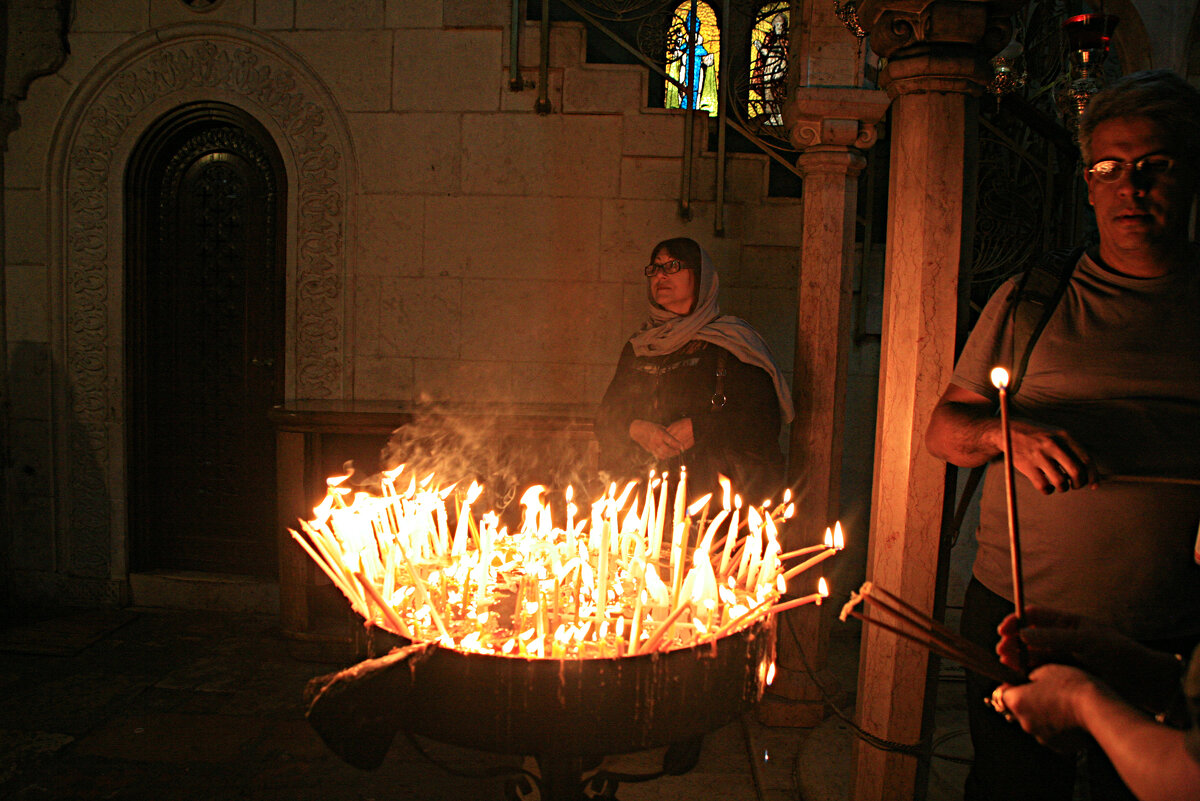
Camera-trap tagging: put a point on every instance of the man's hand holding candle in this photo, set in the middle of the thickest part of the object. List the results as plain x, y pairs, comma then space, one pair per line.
1050, 457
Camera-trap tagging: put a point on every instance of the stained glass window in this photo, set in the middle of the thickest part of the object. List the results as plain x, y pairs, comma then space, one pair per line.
694, 67
768, 63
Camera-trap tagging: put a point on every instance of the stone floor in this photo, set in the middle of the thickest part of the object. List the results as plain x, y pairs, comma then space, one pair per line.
180, 705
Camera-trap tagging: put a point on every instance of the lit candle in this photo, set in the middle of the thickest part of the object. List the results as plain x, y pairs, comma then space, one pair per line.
803, 551
770, 560
821, 594
834, 542
659, 520
325, 564
752, 612
543, 627
678, 533
635, 627
423, 596
730, 535
704, 587
487, 529
648, 510
659, 633
678, 549
443, 528
602, 581
575, 593
571, 508
388, 613
389, 573
754, 542
1000, 381
460, 529
744, 564
681, 495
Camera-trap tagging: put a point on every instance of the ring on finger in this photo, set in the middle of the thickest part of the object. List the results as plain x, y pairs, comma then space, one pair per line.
997, 701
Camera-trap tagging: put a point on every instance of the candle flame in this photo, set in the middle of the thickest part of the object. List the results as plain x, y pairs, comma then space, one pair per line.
999, 378
823, 587
839, 540
575, 591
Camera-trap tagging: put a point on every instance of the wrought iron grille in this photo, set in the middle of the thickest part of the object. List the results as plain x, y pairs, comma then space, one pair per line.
1029, 196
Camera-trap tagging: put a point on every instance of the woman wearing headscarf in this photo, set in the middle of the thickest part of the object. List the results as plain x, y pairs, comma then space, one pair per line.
694, 387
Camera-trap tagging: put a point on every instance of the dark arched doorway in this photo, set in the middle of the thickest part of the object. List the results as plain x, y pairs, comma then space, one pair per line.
204, 311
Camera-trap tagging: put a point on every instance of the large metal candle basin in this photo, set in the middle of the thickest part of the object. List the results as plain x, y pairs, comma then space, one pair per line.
575, 707
562, 643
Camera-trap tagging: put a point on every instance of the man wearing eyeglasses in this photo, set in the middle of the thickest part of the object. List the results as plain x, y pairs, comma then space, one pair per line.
1105, 427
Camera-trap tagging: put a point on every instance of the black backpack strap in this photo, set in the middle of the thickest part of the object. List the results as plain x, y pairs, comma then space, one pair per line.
1032, 305
964, 500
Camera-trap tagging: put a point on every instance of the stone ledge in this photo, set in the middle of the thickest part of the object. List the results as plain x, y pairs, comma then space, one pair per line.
184, 589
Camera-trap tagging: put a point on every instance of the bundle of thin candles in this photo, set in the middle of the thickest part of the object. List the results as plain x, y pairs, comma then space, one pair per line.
591, 588
912, 624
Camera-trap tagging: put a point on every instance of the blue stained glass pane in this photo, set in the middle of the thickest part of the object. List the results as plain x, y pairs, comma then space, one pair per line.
693, 53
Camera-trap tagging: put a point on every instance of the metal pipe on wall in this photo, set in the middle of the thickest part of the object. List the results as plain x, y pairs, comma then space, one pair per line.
722, 111
515, 83
689, 120
542, 105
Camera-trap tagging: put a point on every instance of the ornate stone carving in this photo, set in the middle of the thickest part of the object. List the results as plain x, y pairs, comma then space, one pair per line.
186, 66
818, 117
36, 43
940, 45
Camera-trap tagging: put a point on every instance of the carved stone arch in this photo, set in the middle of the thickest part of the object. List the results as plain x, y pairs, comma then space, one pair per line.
1130, 41
134, 86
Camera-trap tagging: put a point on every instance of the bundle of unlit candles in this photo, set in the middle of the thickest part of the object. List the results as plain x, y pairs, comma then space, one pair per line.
901, 618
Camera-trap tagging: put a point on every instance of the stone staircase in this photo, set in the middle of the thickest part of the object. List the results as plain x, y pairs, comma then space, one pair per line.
652, 138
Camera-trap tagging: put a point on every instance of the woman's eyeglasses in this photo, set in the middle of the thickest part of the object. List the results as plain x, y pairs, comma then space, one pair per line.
667, 268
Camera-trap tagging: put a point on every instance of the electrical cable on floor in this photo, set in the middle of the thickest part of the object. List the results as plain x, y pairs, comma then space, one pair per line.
752, 750
873, 740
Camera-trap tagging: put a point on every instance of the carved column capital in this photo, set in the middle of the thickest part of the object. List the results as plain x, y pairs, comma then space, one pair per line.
937, 45
833, 118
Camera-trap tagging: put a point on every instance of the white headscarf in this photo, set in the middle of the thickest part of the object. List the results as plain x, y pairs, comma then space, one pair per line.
666, 332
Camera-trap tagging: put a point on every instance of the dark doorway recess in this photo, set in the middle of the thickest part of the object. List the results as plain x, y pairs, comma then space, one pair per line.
204, 311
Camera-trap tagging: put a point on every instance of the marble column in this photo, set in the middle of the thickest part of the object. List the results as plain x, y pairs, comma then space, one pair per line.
936, 64
831, 127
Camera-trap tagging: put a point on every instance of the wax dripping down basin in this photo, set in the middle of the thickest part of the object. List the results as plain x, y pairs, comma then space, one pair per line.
565, 712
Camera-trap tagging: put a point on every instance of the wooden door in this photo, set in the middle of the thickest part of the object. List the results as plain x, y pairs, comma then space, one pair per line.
206, 331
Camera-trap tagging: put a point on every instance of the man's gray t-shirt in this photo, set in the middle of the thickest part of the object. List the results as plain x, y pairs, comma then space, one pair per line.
1118, 367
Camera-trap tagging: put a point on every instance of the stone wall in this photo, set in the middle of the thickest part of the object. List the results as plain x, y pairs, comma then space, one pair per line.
482, 252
